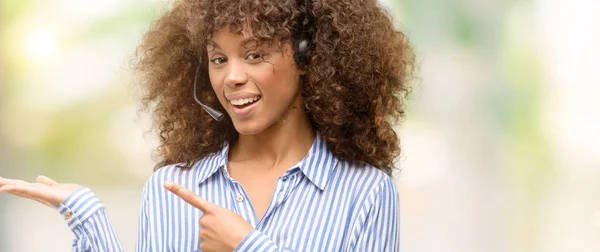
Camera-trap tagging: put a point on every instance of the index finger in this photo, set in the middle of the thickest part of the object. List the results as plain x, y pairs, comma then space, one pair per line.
188, 196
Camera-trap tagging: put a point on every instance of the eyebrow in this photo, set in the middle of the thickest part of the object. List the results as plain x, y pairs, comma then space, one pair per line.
244, 43
212, 43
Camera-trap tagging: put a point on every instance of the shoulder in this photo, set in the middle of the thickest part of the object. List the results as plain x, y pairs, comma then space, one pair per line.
187, 177
364, 180
165, 173
362, 173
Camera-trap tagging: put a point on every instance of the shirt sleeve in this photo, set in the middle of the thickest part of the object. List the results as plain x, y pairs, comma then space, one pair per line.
379, 230
143, 232
257, 241
88, 221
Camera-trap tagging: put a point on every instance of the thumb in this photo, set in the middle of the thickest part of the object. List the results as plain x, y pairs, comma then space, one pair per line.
190, 197
45, 180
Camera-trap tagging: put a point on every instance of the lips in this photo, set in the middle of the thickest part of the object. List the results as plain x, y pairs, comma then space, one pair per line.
243, 103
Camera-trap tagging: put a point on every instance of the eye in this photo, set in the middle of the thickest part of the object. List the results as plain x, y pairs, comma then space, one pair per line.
253, 56
218, 60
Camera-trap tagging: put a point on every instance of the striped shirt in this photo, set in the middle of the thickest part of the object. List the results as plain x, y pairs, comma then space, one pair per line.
321, 203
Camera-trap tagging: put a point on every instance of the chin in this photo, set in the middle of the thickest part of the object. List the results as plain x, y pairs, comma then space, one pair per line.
249, 127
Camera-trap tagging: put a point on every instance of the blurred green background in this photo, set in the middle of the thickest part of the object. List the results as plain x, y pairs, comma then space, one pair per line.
501, 147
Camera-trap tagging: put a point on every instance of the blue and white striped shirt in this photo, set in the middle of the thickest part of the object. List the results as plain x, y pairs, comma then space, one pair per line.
319, 204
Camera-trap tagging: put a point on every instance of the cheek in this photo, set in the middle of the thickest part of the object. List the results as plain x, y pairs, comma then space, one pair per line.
213, 80
276, 81
216, 85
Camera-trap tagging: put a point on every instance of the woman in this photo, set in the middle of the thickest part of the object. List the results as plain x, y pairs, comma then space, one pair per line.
303, 159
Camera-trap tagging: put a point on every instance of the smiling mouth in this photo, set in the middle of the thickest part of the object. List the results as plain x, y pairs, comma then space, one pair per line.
242, 103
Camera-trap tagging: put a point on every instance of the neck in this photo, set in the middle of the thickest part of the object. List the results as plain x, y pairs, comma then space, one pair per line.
280, 146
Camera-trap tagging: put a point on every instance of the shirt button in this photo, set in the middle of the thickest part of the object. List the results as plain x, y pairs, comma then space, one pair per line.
239, 198
68, 215
284, 178
280, 197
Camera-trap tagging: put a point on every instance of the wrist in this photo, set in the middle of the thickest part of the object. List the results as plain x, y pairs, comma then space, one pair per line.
242, 235
79, 206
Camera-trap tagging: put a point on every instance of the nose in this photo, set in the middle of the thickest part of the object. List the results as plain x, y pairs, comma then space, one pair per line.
236, 74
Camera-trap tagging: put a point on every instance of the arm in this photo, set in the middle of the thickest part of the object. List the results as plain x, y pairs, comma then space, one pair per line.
257, 241
80, 207
87, 219
379, 230
143, 233
221, 228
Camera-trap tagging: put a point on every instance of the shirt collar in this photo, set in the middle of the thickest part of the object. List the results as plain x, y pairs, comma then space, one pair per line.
317, 165
212, 163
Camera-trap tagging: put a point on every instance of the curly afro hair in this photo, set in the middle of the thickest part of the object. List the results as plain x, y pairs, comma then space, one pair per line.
354, 90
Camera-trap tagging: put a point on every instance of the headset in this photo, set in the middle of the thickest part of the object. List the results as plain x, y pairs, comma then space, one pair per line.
302, 44
302, 38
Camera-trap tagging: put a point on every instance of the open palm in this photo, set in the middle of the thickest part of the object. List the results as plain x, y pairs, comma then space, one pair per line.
46, 190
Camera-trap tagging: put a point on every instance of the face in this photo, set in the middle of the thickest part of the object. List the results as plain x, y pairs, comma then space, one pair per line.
257, 86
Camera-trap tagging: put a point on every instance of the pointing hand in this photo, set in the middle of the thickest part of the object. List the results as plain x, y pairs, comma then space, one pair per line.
220, 228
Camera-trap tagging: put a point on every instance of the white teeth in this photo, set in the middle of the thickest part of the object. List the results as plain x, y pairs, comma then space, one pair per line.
240, 102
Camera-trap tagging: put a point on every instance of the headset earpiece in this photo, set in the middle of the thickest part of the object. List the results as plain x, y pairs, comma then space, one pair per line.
301, 53
302, 40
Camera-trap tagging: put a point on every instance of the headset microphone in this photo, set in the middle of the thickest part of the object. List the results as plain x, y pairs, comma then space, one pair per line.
215, 114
